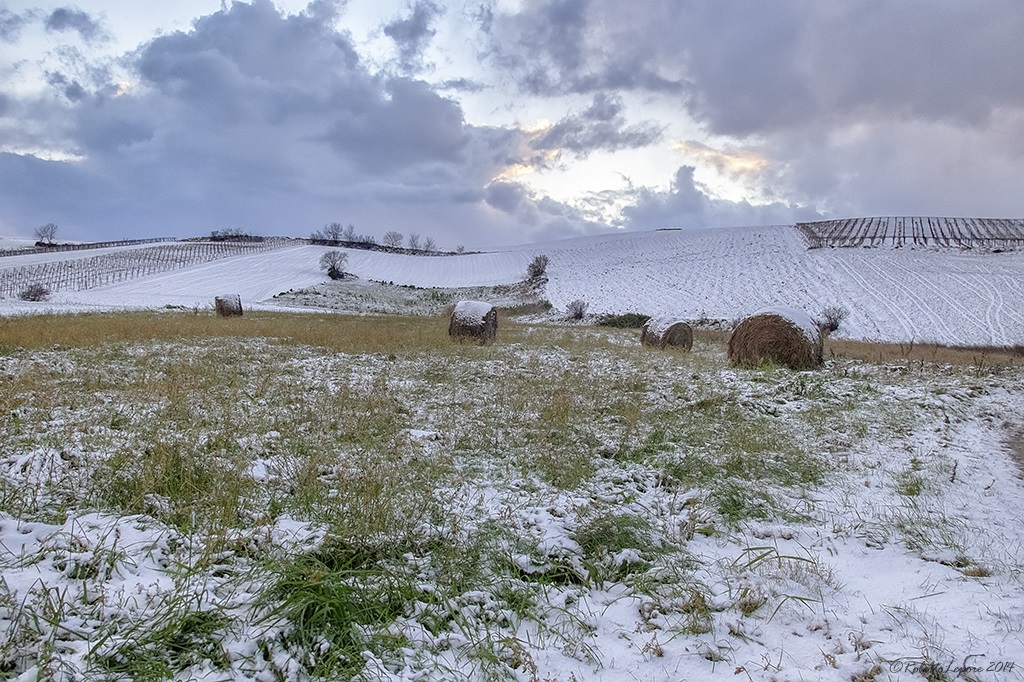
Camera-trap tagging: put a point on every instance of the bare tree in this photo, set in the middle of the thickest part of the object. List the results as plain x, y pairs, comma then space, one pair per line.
414, 241
333, 232
334, 263
538, 267
460, 249
46, 233
349, 234
392, 238
429, 245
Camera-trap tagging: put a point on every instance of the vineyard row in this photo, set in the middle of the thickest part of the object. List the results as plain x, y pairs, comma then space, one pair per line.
81, 247
98, 271
967, 233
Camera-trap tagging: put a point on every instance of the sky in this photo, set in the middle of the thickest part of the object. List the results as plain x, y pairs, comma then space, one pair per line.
493, 122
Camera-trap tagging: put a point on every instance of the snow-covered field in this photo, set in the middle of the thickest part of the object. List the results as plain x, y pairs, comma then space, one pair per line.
942, 295
558, 507
317, 497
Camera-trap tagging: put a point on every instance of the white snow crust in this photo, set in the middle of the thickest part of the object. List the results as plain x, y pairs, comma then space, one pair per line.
942, 295
471, 312
798, 317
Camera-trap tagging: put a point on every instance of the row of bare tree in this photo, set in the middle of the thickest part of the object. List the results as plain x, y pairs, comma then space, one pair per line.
335, 234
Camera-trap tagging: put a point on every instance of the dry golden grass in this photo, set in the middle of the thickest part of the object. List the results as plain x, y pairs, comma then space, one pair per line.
926, 353
354, 334
393, 334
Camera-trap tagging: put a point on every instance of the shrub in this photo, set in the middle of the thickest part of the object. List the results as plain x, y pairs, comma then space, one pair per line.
538, 267
623, 321
576, 310
831, 317
334, 263
35, 292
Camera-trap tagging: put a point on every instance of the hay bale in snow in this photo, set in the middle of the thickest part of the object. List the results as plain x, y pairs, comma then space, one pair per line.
473, 321
785, 336
229, 305
666, 331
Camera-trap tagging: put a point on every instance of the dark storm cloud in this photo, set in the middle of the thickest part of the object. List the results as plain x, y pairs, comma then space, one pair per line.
408, 124
413, 33
269, 122
555, 47
65, 19
602, 126
751, 68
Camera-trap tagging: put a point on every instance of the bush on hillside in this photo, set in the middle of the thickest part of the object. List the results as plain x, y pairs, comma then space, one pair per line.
623, 321
35, 292
831, 317
575, 310
538, 267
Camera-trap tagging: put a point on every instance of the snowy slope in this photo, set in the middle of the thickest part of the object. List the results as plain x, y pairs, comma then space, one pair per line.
949, 296
944, 295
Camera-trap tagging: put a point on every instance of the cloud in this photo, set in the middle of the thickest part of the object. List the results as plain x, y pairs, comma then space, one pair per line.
275, 122
462, 85
11, 25
602, 126
413, 33
746, 69
688, 204
734, 162
559, 47
268, 122
65, 19
906, 107
71, 89
544, 218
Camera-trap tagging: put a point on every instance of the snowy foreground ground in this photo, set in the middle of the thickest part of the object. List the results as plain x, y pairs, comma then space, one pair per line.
564, 505
944, 295
302, 497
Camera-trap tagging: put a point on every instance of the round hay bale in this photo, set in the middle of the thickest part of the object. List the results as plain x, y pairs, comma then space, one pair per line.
229, 305
473, 321
666, 331
785, 336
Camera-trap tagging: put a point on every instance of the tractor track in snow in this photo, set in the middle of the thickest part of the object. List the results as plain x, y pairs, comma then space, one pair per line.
937, 322
868, 289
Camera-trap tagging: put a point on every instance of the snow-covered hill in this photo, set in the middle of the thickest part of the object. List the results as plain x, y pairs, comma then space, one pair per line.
945, 295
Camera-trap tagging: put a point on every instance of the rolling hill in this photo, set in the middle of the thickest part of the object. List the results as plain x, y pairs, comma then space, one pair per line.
932, 293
